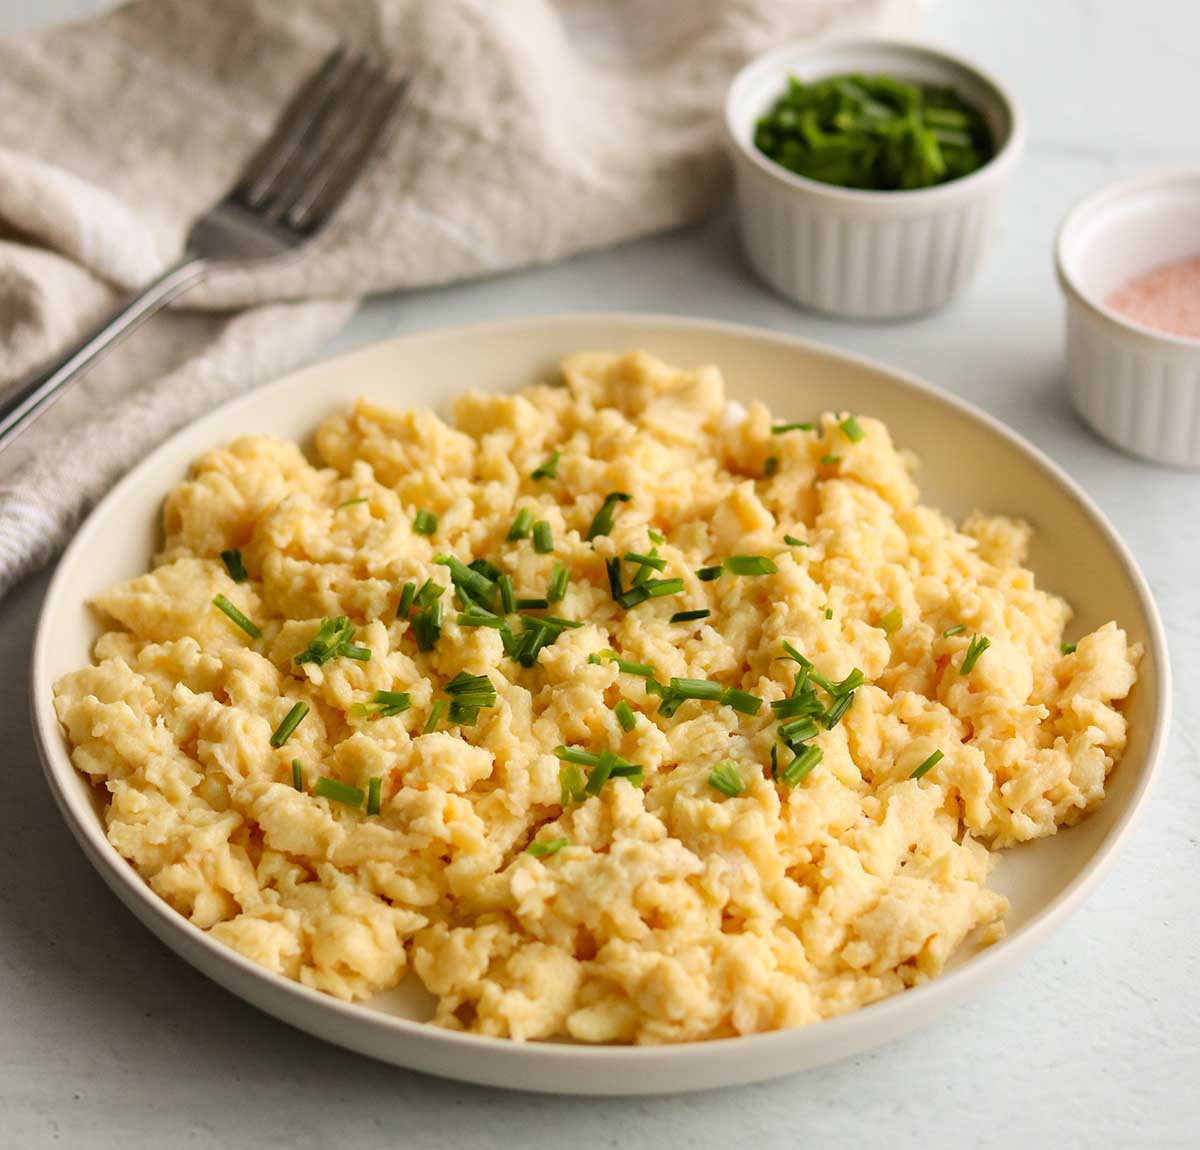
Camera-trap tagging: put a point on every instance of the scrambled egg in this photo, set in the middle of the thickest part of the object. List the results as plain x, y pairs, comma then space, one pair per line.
674, 910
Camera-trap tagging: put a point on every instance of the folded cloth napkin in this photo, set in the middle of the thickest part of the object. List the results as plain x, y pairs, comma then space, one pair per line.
532, 129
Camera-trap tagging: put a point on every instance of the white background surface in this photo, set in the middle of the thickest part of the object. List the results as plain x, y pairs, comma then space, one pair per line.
106, 1039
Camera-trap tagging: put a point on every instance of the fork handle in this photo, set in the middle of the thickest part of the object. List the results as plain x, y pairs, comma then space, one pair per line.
27, 399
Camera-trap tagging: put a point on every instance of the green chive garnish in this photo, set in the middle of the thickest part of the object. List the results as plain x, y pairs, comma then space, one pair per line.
801, 766
297, 775
798, 730
427, 625
643, 670
782, 428
1068, 648
625, 716
792, 541
851, 429
771, 466
696, 689
546, 847
469, 581
407, 595
655, 562
508, 597
424, 522
435, 716
657, 588
957, 629
478, 617
374, 794
741, 701
543, 537
352, 502
838, 709
891, 621
560, 576
828, 612
233, 564
975, 648
520, 525
655, 536
384, 704
428, 593
571, 783
690, 616
548, 469
334, 637
749, 565
469, 694
575, 755
830, 459
708, 574
223, 604
290, 722
613, 568
601, 772
927, 765
726, 778
603, 522
532, 604
328, 788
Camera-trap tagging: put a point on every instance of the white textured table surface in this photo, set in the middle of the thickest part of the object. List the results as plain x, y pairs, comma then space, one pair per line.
109, 1040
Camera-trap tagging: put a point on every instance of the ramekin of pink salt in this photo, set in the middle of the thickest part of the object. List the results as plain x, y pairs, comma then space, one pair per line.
1128, 261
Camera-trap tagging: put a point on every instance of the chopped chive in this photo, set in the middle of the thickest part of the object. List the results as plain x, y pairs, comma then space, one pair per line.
653, 561
407, 595
328, 788
478, 617
469, 581
387, 703
643, 670
575, 755
851, 429
690, 616
613, 568
571, 783
374, 794
435, 716
828, 612
290, 722
631, 598
508, 597
726, 778
891, 621
602, 524
957, 629
696, 689
1068, 648
771, 466
599, 774
655, 536
553, 622
830, 459
792, 541
424, 522
741, 701
927, 765
532, 604
708, 574
297, 775
774, 761
223, 604
838, 710
352, 502
543, 537
548, 469
560, 576
625, 716
657, 588
469, 694
975, 648
798, 730
233, 564
749, 565
334, 638
546, 847
801, 766
645, 571
427, 626
782, 428
428, 593
520, 525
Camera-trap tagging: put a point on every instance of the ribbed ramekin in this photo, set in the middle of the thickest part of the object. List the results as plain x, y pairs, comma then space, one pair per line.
1138, 387
866, 255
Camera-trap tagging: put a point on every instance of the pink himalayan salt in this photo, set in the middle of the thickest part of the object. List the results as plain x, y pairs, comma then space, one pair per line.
1166, 299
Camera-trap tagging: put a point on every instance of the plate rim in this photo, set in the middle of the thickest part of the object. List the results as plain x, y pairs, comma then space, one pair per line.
889, 1017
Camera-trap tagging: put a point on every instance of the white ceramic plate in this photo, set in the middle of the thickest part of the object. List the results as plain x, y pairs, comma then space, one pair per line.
968, 461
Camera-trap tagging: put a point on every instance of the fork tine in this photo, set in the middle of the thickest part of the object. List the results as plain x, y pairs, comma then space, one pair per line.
342, 109
296, 120
329, 184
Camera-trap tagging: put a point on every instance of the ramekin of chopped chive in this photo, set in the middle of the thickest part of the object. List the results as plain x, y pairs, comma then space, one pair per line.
869, 172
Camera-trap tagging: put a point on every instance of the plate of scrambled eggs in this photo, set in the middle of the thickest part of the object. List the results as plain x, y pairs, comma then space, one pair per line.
599, 704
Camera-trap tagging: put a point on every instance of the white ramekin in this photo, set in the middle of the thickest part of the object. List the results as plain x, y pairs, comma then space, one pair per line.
1138, 387
869, 255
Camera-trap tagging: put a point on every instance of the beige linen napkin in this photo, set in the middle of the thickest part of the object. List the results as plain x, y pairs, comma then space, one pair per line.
533, 129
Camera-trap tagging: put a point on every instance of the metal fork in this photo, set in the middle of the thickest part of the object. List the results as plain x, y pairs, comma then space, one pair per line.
284, 196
